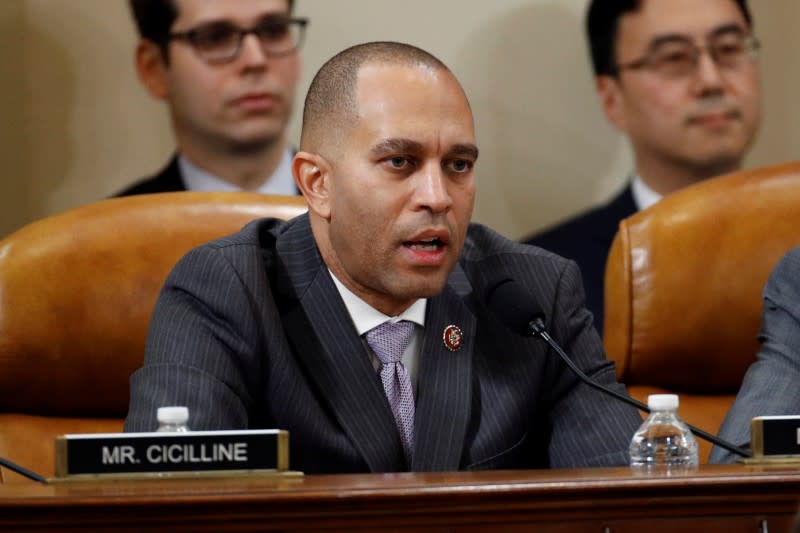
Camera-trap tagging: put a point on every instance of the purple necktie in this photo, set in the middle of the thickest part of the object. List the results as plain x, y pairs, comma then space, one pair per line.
389, 341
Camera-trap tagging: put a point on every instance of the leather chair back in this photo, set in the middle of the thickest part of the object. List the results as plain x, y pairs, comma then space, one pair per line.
76, 293
683, 288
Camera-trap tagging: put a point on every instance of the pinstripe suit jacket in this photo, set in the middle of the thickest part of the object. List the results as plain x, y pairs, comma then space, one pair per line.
772, 384
250, 332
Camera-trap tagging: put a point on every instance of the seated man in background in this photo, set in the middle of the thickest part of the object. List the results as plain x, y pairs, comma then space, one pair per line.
228, 72
362, 327
772, 384
680, 80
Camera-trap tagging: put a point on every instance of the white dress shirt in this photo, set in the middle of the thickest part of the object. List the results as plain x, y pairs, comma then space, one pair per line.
197, 179
365, 317
643, 195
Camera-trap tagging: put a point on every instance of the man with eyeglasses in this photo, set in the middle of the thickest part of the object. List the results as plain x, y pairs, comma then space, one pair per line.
680, 79
228, 72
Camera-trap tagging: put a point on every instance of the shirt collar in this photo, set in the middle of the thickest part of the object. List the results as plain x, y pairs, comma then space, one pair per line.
365, 317
197, 179
643, 195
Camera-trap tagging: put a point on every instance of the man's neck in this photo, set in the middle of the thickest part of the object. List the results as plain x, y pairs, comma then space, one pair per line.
246, 171
665, 177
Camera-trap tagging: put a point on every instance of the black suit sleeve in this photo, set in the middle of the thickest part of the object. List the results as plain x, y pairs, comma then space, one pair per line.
589, 428
203, 349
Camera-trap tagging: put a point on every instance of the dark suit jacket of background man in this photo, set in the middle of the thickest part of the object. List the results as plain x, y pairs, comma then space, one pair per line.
586, 239
250, 332
168, 180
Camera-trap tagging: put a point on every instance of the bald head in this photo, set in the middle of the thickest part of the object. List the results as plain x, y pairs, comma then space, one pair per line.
330, 106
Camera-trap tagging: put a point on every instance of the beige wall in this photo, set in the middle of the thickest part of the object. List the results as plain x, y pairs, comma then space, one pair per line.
76, 125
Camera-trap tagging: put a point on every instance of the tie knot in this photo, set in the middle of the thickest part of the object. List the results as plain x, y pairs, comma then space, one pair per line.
390, 339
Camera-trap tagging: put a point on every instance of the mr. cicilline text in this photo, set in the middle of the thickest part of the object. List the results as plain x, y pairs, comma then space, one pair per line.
233, 452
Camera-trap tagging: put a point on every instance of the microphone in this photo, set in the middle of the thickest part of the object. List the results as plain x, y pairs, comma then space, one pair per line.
22, 471
516, 308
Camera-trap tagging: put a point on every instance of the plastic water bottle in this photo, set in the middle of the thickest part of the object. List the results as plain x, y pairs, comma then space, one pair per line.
663, 443
173, 419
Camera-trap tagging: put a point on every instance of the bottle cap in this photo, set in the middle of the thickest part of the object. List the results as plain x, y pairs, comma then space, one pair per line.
662, 402
172, 415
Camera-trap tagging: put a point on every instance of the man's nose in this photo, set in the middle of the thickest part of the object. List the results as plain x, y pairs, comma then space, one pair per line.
252, 51
708, 75
431, 189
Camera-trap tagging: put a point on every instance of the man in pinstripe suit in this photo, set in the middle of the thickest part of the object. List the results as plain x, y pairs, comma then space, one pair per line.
264, 329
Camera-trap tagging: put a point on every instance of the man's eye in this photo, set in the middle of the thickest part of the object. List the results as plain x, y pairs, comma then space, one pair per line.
215, 35
399, 162
729, 50
460, 165
273, 30
676, 58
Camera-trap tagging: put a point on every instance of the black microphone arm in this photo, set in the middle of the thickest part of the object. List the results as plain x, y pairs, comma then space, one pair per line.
505, 298
22, 471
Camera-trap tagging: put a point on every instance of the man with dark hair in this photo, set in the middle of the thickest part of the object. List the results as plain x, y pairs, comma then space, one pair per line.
228, 72
680, 80
362, 327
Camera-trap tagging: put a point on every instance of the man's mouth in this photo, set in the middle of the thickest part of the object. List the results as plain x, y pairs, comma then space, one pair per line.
256, 101
425, 245
713, 118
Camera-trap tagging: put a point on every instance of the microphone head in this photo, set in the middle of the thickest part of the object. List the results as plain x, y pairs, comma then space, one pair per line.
513, 304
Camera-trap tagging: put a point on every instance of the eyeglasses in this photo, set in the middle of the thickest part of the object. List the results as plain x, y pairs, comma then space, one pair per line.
221, 42
679, 57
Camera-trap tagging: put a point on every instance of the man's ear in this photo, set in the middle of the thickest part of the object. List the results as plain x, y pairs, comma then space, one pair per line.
610, 93
151, 69
312, 173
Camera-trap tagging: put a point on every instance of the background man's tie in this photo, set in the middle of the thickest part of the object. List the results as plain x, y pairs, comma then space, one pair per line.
389, 341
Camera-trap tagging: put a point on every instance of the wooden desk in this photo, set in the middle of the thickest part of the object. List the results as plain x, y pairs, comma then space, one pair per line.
716, 498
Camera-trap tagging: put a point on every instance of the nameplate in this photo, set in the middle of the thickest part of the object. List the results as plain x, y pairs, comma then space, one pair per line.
773, 436
115, 454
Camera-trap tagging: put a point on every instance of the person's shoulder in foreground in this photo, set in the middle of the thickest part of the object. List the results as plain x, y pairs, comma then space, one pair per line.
772, 383
268, 328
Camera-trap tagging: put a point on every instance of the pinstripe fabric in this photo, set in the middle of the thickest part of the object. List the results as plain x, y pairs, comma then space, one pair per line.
772, 384
249, 331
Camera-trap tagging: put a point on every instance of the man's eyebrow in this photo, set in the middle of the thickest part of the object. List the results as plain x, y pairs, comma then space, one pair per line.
263, 17
668, 38
395, 146
725, 29
469, 150
407, 146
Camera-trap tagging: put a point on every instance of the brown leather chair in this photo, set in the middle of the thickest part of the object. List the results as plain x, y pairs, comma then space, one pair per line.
76, 293
683, 288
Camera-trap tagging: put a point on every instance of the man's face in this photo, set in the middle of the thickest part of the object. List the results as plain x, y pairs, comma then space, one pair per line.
402, 186
706, 118
245, 102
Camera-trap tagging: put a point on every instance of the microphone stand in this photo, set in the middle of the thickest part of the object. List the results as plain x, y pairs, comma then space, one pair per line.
22, 471
536, 328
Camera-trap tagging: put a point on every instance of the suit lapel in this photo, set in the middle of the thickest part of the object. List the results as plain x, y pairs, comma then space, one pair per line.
326, 342
444, 386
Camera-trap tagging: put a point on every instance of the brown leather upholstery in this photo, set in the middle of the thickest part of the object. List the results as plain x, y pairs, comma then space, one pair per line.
683, 287
76, 293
